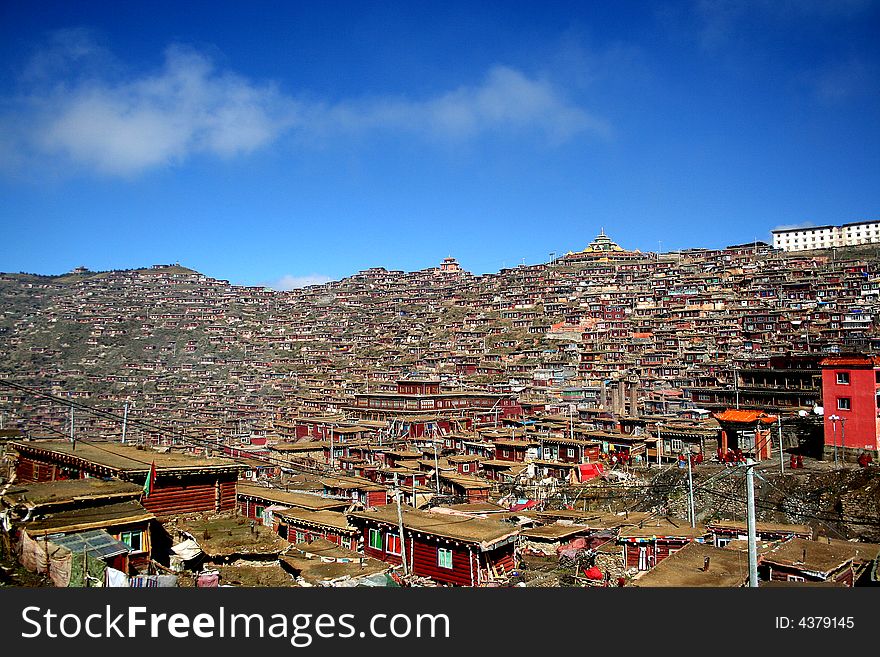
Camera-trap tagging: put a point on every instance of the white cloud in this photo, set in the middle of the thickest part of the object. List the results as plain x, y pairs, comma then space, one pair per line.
506, 99
185, 108
97, 119
290, 282
804, 224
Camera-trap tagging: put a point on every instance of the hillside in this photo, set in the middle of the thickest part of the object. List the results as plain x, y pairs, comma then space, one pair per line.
191, 351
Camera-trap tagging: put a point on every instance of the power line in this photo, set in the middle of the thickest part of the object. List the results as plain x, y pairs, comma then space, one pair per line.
197, 442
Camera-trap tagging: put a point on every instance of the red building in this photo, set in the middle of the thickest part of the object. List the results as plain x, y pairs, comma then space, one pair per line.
746, 432
302, 526
850, 387
419, 406
649, 543
447, 549
184, 483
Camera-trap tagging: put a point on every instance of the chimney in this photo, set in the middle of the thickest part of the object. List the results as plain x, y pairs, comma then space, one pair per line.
705, 567
634, 397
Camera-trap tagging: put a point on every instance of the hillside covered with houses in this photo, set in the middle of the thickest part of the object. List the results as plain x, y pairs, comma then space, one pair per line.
589, 415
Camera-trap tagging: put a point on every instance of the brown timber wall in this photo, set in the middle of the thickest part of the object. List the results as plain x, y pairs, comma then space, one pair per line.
29, 470
425, 563
191, 495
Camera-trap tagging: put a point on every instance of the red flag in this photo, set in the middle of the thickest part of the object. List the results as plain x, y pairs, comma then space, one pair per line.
151, 480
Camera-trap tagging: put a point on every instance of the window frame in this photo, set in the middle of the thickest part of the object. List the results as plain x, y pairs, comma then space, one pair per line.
389, 543
441, 553
128, 536
377, 534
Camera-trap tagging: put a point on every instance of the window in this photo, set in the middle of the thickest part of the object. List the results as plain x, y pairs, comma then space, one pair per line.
259, 512
444, 558
843, 404
843, 378
300, 537
132, 540
571, 452
465, 467
796, 578
282, 531
375, 539
392, 543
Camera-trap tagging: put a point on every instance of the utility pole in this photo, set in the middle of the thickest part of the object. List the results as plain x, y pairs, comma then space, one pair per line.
72, 438
693, 513
124, 422
436, 465
659, 443
736, 384
834, 420
843, 439
781, 453
400, 526
331, 446
750, 502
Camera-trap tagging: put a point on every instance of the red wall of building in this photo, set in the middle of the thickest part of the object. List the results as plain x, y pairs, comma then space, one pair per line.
861, 426
425, 562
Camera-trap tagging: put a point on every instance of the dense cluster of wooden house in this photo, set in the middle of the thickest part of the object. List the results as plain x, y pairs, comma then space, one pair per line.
304, 416
79, 515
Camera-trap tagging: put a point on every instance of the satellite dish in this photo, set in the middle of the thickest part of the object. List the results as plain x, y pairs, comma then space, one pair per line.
818, 410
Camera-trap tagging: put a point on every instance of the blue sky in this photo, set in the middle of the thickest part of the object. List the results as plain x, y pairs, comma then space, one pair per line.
286, 142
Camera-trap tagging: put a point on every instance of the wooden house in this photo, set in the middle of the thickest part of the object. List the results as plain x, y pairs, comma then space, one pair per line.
184, 483
449, 550
700, 565
300, 525
647, 544
725, 531
64, 510
827, 560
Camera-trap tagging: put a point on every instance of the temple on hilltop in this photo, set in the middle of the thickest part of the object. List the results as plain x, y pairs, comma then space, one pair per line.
602, 248
450, 266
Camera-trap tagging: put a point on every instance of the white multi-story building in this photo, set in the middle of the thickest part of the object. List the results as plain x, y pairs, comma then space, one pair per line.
826, 237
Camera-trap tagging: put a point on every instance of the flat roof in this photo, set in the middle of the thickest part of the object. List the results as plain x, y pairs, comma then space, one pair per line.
120, 513
123, 458
819, 556
68, 491
727, 568
664, 527
554, 531
769, 527
596, 519
482, 531
334, 519
290, 498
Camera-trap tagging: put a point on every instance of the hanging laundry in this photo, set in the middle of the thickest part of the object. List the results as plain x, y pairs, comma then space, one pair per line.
145, 582
115, 578
167, 581
209, 579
